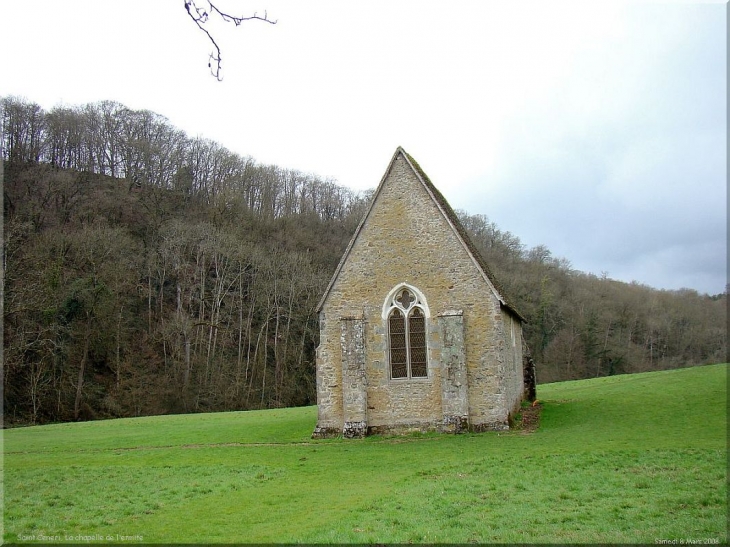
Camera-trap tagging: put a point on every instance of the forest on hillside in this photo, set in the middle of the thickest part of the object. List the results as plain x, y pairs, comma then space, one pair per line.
148, 272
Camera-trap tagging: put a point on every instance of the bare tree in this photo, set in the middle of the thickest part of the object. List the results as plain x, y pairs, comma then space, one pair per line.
201, 16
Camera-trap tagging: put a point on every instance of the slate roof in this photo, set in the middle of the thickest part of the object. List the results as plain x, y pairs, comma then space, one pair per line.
450, 216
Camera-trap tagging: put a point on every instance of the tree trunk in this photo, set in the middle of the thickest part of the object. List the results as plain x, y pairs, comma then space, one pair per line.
82, 368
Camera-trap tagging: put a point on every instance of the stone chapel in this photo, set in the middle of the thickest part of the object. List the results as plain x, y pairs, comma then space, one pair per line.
414, 331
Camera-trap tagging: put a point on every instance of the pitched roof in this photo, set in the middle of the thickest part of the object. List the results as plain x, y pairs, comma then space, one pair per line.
451, 218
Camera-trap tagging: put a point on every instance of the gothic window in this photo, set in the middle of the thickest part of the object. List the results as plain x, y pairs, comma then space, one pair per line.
407, 336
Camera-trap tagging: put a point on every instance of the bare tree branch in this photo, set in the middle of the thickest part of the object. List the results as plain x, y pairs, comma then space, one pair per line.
202, 15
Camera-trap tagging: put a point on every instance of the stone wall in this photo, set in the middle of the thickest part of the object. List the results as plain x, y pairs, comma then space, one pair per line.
454, 387
513, 369
407, 240
329, 379
354, 380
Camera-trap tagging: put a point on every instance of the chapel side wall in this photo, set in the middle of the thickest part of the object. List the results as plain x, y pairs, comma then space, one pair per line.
513, 370
505, 383
488, 408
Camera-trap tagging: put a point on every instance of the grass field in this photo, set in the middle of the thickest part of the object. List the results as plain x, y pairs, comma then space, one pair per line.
632, 459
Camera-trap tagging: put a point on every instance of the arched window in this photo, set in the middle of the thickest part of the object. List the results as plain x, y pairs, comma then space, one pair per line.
407, 335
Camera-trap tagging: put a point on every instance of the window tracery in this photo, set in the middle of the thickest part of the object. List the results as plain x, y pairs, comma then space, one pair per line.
407, 335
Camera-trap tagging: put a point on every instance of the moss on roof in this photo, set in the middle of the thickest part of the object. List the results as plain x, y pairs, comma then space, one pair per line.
454, 220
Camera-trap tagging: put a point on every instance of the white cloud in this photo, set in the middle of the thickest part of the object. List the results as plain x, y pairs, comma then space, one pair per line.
598, 129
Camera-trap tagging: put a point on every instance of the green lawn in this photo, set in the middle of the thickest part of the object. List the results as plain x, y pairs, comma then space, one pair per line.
630, 459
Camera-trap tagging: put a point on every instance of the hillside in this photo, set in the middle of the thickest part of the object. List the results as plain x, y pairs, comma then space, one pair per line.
626, 459
147, 272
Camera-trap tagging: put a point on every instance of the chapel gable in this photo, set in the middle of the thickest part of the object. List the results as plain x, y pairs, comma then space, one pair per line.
414, 330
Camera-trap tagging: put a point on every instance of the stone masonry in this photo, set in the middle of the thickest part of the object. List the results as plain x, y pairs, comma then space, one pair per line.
410, 238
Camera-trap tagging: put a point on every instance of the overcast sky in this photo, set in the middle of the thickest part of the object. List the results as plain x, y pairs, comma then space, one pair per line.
596, 129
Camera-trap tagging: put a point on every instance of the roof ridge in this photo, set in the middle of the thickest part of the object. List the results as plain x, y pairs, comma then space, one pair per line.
453, 218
